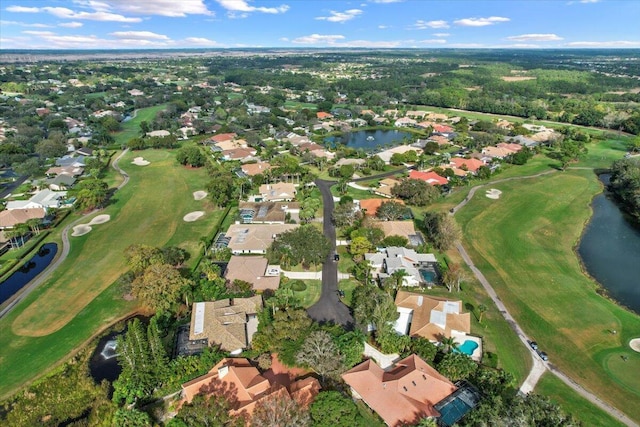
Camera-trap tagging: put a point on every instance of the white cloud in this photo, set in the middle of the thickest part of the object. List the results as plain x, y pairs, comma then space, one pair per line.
535, 38
467, 45
38, 33
138, 35
383, 27
441, 34
589, 1
169, 8
618, 43
244, 6
423, 25
386, 1
480, 22
22, 9
200, 41
24, 24
51, 40
65, 13
318, 39
71, 24
433, 41
345, 16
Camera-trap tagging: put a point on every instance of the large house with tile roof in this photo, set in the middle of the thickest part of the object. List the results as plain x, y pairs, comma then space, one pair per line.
402, 394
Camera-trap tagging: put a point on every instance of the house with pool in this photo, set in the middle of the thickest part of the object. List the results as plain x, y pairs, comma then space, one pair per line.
420, 269
434, 318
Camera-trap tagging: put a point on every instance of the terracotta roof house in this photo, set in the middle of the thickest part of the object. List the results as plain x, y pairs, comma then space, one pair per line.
254, 238
278, 192
472, 165
430, 177
321, 115
267, 212
370, 206
430, 317
9, 218
401, 395
416, 113
440, 140
255, 270
437, 116
511, 147
442, 128
230, 144
242, 154
238, 381
253, 169
230, 323
223, 137
496, 152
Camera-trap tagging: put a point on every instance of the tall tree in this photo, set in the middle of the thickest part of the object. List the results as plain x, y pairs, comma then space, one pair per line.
159, 287
321, 354
278, 410
90, 193
332, 408
441, 230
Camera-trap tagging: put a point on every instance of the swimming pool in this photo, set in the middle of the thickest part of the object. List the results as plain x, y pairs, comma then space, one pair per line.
467, 347
429, 276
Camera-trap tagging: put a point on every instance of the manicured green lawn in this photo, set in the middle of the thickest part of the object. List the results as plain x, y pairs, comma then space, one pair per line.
296, 105
573, 403
348, 286
524, 243
80, 299
311, 295
131, 129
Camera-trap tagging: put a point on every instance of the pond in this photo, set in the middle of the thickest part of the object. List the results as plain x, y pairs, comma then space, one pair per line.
28, 271
369, 140
104, 361
610, 251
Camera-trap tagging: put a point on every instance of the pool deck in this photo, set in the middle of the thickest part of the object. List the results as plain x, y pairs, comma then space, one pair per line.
460, 338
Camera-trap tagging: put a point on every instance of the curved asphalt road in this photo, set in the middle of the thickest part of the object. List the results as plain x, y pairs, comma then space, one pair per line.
539, 366
329, 308
66, 246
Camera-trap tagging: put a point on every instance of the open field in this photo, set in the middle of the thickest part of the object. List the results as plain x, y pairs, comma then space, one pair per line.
297, 105
571, 402
523, 243
79, 299
131, 128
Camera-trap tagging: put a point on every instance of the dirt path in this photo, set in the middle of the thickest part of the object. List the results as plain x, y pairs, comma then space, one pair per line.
539, 366
61, 256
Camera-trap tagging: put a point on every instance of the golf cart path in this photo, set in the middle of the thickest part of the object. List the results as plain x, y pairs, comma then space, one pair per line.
539, 366
64, 252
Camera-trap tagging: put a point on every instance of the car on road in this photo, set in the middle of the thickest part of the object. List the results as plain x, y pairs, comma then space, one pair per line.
534, 345
336, 257
543, 355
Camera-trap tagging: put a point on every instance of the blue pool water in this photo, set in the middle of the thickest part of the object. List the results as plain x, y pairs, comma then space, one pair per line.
467, 347
429, 276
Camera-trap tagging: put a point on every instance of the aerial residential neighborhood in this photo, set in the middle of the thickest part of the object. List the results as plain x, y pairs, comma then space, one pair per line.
429, 221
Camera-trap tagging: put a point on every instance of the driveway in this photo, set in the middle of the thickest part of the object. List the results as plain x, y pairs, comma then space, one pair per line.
329, 308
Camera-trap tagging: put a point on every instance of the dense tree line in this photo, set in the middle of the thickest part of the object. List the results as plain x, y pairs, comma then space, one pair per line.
625, 184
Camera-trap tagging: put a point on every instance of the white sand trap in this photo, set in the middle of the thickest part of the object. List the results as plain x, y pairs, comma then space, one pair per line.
140, 161
81, 230
493, 193
100, 219
199, 195
192, 216
635, 344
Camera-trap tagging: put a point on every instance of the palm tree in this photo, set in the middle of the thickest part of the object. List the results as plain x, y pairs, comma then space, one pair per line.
448, 343
481, 309
34, 225
21, 230
397, 278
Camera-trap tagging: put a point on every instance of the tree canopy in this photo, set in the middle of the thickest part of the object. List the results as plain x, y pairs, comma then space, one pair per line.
304, 245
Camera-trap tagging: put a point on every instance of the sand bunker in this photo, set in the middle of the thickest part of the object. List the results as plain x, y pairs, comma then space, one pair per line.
635, 344
199, 195
100, 219
192, 216
140, 161
493, 193
81, 230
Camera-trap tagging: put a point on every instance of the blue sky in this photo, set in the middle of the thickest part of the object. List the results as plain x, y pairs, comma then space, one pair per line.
109, 24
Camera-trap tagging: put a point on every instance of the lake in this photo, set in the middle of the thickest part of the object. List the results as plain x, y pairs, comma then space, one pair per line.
610, 251
28, 271
370, 140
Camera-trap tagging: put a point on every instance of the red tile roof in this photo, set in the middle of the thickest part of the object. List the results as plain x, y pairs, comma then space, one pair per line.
223, 137
472, 164
403, 394
371, 205
429, 177
322, 115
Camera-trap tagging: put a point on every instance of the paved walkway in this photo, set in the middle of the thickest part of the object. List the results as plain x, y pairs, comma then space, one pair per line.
539, 366
358, 187
64, 252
